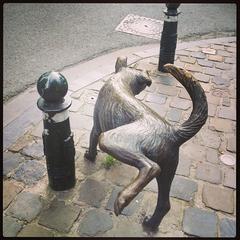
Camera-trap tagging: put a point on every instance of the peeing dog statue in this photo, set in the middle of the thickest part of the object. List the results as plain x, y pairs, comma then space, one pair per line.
134, 134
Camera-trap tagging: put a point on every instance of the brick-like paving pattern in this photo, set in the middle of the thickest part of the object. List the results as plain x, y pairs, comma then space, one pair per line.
203, 193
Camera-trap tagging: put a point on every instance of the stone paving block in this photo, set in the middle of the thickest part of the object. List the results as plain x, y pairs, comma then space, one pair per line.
209, 138
183, 188
193, 49
59, 216
182, 52
94, 222
231, 49
34, 150
223, 66
26, 206
205, 63
212, 110
96, 86
206, 87
220, 81
200, 223
174, 115
76, 104
125, 228
77, 94
79, 121
221, 125
20, 126
181, 103
229, 179
218, 198
212, 99
193, 68
167, 90
130, 209
179, 64
37, 132
231, 143
227, 227
224, 53
228, 113
230, 60
151, 88
198, 55
184, 165
217, 46
152, 186
161, 110
10, 191
184, 94
11, 161
202, 77
187, 59
209, 50
121, 174
33, 230
143, 65
30, 172
215, 58
212, 71
212, 156
11, 226
86, 109
209, 172
22, 142
92, 192
155, 98
165, 78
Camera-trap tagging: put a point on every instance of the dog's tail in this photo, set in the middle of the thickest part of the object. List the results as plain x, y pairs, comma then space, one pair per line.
200, 107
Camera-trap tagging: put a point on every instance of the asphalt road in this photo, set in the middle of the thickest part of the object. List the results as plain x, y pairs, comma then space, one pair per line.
42, 37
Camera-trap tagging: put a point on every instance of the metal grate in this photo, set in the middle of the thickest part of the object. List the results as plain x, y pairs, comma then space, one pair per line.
141, 26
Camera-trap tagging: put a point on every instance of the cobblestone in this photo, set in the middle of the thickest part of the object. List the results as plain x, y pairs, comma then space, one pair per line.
215, 58
94, 222
187, 59
193, 68
218, 198
212, 71
224, 53
11, 161
221, 125
198, 55
223, 66
229, 178
59, 216
30, 172
212, 110
228, 113
230, 60
195, 217
26, 206
11, 226
202, 77
231, 143
209, 50
34, 150
130, 209
212, 156
183, 188
91, 188
181, 103
183, 165
184, 94
167, 90
209, 172
205, 63
33, 230
174, 115
155, 98
227, 227
10, 191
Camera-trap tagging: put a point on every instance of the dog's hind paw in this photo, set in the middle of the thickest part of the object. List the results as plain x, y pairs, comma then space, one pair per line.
89, 156
149, 225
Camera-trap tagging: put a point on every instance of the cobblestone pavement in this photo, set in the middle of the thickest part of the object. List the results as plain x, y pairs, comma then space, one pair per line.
203, 193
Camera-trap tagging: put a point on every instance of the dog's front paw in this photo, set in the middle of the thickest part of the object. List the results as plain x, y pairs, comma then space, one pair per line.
90, 157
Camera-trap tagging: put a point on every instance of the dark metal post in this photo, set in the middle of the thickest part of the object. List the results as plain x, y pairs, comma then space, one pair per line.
169, 36
57, 136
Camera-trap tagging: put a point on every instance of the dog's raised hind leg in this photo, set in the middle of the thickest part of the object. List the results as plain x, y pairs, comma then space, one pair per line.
126, 154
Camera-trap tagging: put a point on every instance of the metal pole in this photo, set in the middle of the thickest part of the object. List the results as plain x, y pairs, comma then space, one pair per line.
169, 36
57, 136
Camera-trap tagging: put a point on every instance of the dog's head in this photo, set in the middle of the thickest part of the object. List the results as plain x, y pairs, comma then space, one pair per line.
137, 80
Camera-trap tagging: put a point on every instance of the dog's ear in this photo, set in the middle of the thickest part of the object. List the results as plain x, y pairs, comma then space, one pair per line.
120, 63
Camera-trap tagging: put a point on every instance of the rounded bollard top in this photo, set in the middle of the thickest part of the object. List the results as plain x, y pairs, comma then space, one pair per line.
52, 87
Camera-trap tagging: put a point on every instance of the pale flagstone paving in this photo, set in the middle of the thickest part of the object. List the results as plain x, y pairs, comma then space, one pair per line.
203, 192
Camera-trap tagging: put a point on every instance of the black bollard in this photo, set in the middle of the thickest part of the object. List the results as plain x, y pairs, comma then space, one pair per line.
57, 136
169, 36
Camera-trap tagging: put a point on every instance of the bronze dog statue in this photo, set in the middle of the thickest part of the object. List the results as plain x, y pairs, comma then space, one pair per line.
134, 134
